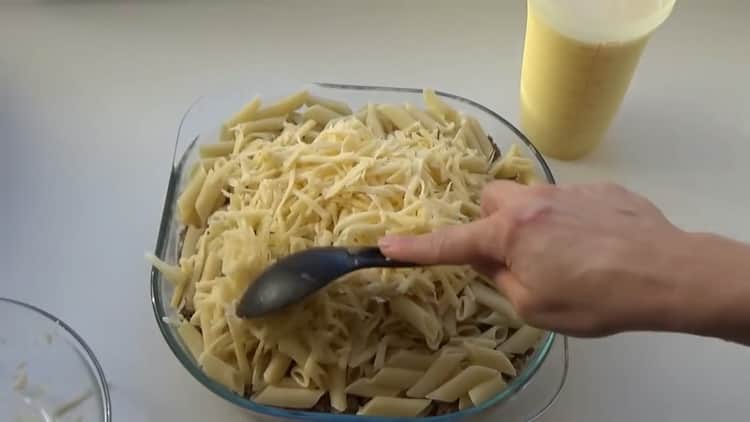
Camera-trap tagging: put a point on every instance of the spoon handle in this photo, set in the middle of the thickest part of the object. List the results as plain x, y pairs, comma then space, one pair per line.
371, 257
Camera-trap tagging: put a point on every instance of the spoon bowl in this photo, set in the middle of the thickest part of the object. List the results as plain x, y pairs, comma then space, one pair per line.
301, 274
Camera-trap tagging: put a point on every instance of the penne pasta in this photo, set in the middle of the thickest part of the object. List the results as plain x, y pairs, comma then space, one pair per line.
320, 114
172, 273
522, 340
471, 139
221, 372
497, 334
464, 402
398, 116
292, 347
462, 383
212, 267
314, 372
287, 383
393, 407
436, 106
192, 234
257, 127
283, 106
365, 388
490, 358
301, 132
449, 324
486, 390
409, 359
468, 330
205, 202
477, 341
339, 107
490, 317
397, 377
425, 119
246, 113
259, 363
186, 201
291, 398
422, 319
492, 299
373, 122
238, 347
337, 390
440, 371
467, 305
277, 368
192, 338
222, 149
483, 141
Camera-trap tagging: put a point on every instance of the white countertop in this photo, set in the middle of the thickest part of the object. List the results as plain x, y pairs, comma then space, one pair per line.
91, 94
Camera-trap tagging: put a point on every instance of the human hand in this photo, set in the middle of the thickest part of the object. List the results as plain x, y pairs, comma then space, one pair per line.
585, 260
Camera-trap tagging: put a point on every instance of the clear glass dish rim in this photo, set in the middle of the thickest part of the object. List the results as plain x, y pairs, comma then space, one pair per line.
157, 302
91, 360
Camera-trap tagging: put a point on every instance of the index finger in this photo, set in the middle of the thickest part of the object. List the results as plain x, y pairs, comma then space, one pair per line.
463, 244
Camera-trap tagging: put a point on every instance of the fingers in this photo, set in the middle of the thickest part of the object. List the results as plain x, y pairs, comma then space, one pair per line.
468, 243
452, 245
501, 194
507, 283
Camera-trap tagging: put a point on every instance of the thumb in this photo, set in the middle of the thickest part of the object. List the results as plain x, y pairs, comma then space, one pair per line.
453, 245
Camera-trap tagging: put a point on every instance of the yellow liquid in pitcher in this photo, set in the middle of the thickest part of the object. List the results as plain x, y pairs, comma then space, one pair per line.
571, 89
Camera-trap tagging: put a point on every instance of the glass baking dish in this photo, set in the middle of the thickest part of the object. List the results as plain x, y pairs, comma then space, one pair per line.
525, 398
47, 371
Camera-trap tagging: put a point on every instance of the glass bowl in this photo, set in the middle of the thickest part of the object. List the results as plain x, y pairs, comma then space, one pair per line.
525, 398
47, 372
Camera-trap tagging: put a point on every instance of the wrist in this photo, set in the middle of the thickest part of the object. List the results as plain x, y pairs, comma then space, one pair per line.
709, 293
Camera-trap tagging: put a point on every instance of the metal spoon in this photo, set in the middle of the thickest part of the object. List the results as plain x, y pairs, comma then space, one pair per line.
298, 275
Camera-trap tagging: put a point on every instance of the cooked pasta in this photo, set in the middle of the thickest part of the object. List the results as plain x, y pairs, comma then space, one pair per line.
462, 383
394, 407
306, 172
486, 390
438, 373
293, 398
